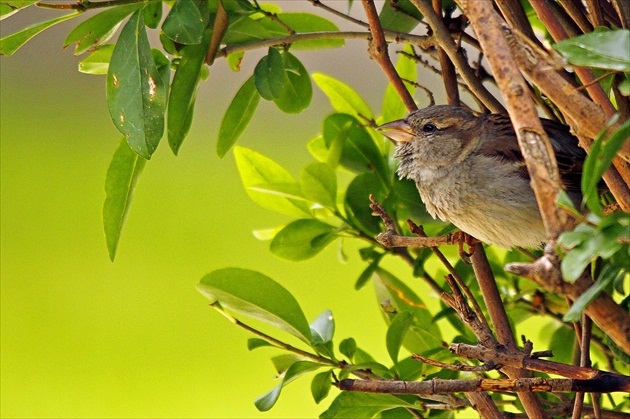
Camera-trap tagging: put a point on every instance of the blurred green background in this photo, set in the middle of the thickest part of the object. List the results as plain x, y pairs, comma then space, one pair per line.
84, 337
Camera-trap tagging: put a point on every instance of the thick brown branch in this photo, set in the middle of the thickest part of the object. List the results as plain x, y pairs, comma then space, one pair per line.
438, 386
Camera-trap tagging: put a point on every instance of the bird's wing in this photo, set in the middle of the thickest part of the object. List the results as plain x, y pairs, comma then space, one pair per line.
569, 155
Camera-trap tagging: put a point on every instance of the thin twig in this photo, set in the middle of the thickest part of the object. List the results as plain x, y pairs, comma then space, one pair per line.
378, 51
452, 367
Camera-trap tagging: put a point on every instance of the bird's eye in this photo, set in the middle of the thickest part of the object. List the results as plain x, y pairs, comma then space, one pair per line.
429, 127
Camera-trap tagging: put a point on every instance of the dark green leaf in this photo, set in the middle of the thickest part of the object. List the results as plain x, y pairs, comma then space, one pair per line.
11, 43
323, 328
122, 176
237, 116
153, 14
607, 276
348, 347
598, 161
184, 24
268, 400
607, 49
297, 90
269, 75
246, 30
136, 95
366, 275
254, 343
393, 106
163, 65
302, 239
168, 45
98, 61
357, 202
319, 184
342, 97
307, 22
562, 340
257, 171
98, 29
257, 296
353, 405
181, 102
396, 333
320, 386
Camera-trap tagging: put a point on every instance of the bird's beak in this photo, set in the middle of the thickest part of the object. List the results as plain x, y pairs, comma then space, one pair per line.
397, 131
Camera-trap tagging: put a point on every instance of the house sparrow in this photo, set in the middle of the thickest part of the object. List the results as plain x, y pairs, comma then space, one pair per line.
469, 171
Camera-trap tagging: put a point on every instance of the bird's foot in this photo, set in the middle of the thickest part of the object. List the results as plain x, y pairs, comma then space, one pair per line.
462, 238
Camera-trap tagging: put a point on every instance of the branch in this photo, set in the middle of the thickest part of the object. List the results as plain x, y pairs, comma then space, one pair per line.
390, 36
82, 5
603, 310
438, 386
445, 41
378, 52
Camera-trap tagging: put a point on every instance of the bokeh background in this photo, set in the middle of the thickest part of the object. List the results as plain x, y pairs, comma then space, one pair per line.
85, 337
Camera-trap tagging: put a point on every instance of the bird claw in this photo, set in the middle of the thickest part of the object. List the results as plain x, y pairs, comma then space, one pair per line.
460, 238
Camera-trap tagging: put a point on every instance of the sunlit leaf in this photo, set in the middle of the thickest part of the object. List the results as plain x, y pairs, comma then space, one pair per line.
342, 97
98, 61
122, 176
256, 171
255, 295
323, 328
307, 22
295, 371
362, 405
320, 386
254, 343
302, 239
607, 49
396, 333
319, 184
607, 276
269, 75
11, 43
10, 7
393, 106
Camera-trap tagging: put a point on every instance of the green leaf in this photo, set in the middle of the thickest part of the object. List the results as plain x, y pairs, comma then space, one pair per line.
319, 184
181, 102
98, 29
254, 343
295, 371
153, 14
11, 43
393, 106
598, 161
342, 97
607, 49
98, 61
320, 386
246, 30
235, 59
256, 171
237, 116
396, 333
307, 22
607, 276
136, 95
403, 18
184, 24
323, 328
362, 405
269, 75
424, 334
357, 202
348, 348
366, 275
10, 7
297, 90
122, 176
256, 296
354, 146
302, 239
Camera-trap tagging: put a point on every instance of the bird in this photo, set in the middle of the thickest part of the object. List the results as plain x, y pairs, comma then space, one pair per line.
470, 172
